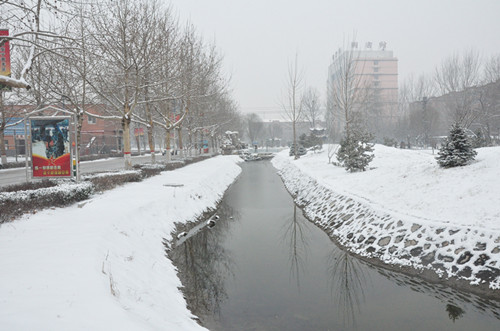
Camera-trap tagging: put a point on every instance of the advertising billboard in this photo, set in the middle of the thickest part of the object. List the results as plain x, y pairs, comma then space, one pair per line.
50, 147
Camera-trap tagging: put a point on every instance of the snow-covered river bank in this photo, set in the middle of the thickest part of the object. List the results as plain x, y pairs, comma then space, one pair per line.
407, 212
103, 266
264, 266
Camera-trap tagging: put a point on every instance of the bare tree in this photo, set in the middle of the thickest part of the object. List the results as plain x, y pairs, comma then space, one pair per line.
347, 91
489, 111
492, 69
311, 106
456, 77
122, 32
351, 96
30, 25
419, 117
64, 75
254, 126
292, 104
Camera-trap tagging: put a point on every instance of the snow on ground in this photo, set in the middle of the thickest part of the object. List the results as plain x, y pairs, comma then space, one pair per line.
407, 211
410, 182
102, 266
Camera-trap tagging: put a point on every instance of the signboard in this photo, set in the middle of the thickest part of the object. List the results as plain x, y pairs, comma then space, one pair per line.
139, 132
4, 59
50, 147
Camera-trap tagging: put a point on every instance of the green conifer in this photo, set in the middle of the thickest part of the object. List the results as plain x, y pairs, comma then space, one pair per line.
356, 151
456, 150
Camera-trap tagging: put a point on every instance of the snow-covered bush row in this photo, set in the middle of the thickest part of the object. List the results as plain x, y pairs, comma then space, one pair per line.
13, 204
10, 165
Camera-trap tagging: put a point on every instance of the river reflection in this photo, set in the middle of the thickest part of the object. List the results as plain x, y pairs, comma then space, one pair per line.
296, 240
205, 264
269, 268
345, 275
347, 282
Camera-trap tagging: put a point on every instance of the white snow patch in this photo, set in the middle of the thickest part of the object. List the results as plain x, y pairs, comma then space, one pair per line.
102, 266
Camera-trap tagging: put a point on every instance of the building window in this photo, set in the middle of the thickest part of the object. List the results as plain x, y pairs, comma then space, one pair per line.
376, 83
375, 77
375, 63
375, 69
91, 119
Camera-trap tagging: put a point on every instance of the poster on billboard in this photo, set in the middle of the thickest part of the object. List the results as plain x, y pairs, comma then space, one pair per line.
50, 147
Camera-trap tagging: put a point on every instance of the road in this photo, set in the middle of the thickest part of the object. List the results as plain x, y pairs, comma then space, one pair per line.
18, 175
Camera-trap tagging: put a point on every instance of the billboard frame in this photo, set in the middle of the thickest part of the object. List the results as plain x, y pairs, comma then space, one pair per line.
72, 140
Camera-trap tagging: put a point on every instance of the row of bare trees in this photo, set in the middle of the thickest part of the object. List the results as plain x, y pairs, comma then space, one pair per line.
464, 89
131, 56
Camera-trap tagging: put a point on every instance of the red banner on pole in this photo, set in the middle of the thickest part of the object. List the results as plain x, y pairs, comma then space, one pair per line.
4, 57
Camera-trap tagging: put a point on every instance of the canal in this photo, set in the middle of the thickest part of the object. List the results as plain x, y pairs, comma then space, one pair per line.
263, 266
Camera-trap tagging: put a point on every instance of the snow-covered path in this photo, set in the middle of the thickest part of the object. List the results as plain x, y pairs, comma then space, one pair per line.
103, 266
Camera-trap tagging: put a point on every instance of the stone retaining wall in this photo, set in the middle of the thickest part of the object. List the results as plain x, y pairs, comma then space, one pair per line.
438, 250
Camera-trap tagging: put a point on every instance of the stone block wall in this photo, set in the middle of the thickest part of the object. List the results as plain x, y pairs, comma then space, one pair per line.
444, 250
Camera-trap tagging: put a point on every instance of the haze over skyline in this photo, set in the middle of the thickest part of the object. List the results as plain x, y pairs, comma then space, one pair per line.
259, 38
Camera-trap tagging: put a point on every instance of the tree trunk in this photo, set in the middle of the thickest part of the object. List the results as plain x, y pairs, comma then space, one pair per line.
138, 142
150, 132
168, 154
179, 134
190, 140
151, 144
126, 142
295, 145
2, 145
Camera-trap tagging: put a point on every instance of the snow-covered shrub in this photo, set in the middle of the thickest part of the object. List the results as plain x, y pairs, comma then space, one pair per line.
356, 151
108, 180
10, 165
13, 204
25, 186
456, 150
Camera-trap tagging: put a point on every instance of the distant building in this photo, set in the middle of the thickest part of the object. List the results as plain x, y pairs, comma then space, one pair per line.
376, 70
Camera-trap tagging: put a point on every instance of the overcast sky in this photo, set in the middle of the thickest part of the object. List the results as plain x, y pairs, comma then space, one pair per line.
258, 38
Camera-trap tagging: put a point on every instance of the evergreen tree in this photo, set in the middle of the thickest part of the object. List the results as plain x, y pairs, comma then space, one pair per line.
456, 150
356, 151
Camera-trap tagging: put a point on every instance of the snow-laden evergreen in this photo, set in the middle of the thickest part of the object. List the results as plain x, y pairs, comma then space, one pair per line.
457, 149
356, 151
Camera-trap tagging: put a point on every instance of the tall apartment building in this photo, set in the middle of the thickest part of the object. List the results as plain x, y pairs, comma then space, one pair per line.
376, 70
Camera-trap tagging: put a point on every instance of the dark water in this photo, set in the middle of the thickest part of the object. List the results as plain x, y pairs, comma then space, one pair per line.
263, 266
